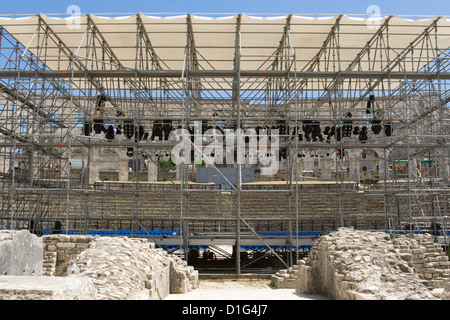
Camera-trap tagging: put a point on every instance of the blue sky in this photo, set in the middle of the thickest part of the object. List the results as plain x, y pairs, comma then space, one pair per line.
401, 7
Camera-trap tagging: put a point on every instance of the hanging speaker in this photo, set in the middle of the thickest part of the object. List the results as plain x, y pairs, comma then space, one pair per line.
370, 104
369, 107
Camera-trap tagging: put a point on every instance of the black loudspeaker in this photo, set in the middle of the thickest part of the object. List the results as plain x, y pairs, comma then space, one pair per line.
370, 104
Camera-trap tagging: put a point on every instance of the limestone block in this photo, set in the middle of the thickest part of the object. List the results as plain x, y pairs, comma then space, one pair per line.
446, 292
351, 264
21, 253
306, 282
45, 288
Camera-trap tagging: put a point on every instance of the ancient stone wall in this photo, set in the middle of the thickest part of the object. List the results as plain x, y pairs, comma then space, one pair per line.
88, 268
120, 267
60, 249
349, 265
20, 253
426, 258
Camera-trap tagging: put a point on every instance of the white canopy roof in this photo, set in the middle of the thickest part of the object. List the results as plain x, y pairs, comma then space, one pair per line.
215, 39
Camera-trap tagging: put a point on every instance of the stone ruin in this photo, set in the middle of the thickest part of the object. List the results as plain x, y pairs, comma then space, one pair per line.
363, 265
63, 267
344, 265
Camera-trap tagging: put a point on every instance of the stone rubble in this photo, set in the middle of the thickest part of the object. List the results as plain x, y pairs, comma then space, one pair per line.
82, 267
124, 268
360, 265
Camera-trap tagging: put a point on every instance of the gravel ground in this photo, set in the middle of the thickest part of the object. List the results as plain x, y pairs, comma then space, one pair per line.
254, 289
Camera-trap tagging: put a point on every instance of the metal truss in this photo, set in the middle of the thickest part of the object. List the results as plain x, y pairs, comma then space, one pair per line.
53, 94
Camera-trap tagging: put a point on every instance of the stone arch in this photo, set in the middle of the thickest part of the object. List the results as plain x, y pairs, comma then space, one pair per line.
108, 160
369, 165
350, 163
383, 160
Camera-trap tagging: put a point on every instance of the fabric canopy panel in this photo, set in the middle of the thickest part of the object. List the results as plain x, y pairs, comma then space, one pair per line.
217, 40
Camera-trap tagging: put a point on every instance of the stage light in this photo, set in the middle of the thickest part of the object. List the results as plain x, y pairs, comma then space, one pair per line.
388, 130
363, 135
139, 133
157, 131
376, 126
109, 133
128, 129
87, 129
98, 126
347, 127
338, 134
130, 152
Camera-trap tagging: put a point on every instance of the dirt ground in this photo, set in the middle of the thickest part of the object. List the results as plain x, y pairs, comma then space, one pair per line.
234, 283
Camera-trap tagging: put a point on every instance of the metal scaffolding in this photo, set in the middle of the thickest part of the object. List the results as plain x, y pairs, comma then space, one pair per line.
91, 88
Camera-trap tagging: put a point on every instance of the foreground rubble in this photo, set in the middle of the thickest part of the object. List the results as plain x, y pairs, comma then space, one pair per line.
124, 268
349, 265
90, 268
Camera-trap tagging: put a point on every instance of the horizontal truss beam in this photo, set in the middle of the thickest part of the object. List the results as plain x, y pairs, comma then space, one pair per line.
322, 145
392, 75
